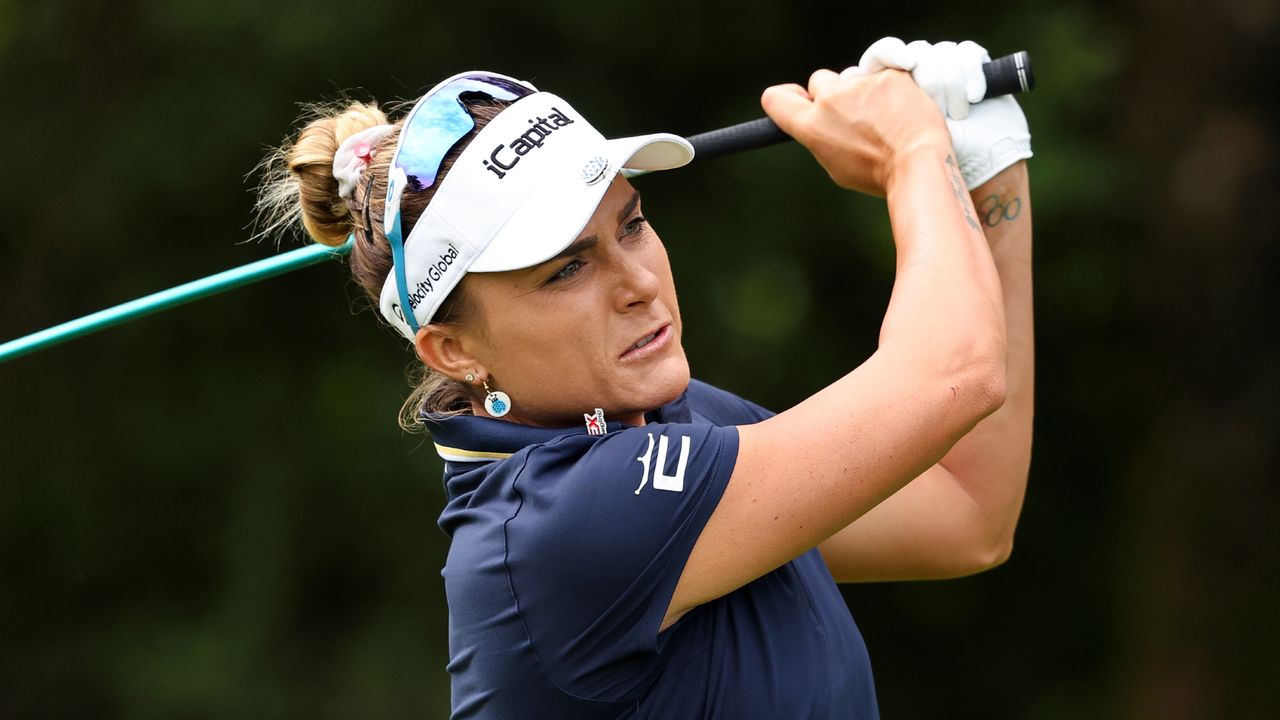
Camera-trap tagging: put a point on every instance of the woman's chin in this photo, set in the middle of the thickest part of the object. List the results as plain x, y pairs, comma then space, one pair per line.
662, 383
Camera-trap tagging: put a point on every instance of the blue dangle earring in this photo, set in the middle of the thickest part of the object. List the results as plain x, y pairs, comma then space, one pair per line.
496, 402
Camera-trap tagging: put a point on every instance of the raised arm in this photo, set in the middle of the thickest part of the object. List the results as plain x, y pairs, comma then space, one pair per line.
959, 516
806, 473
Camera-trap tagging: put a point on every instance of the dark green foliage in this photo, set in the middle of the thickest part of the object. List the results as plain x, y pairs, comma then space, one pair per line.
212, 513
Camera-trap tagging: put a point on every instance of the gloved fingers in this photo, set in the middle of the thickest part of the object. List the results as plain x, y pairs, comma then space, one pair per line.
918, 49
887, 52
930, 75
972, 57
971, 47
953, 81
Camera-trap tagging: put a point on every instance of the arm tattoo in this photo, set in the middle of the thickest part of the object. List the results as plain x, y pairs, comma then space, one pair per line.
957, 189
994, 212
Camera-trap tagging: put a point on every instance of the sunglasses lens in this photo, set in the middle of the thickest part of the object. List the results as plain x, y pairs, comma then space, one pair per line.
441, 120
436, 129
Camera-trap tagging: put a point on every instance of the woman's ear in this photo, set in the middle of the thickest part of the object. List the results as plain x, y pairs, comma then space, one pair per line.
440, 348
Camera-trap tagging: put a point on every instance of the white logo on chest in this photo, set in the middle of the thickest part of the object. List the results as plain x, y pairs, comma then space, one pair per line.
661, 480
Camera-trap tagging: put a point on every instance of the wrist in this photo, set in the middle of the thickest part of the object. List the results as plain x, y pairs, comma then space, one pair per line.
1011, 178
926, 151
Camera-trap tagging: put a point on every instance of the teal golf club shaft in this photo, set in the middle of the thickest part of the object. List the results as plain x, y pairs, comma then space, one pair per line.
185, 293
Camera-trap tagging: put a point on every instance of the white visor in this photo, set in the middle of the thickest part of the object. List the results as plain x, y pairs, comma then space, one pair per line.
520, 192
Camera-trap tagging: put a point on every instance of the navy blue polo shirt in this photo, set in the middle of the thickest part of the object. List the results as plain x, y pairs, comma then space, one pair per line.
566, 549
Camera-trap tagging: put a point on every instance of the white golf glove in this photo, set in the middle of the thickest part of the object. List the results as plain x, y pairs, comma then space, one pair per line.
987, 135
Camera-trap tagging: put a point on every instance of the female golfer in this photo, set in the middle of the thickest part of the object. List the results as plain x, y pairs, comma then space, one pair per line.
626, 541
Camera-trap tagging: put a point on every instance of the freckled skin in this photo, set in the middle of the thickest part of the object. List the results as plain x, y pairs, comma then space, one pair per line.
552, 336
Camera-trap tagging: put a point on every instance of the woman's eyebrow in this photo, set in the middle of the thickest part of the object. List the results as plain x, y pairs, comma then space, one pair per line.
586, 243
575, 247
630, 207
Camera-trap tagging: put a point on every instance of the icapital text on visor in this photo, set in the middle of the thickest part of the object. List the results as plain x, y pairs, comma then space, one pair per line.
527, 142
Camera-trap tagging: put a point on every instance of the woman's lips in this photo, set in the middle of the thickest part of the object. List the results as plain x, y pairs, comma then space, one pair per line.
656, 342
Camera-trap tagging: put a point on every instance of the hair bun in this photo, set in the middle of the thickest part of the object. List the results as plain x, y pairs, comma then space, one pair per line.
357, 117
299, 176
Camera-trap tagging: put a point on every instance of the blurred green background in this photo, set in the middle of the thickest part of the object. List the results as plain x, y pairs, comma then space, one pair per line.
211, 513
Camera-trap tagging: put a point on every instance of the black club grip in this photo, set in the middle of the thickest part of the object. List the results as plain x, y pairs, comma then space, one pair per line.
1005, 76
1009, 75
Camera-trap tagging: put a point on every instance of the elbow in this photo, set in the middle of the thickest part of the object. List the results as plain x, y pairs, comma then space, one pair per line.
985, 556
989, 374
993, 542
997, 553
984, 385
991, 389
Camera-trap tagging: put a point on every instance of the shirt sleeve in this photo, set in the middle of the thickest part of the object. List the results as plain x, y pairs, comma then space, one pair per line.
722, 407
603, 532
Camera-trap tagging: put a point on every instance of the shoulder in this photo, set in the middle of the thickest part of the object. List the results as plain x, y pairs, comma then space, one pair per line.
604, 509
721, 407
615, 468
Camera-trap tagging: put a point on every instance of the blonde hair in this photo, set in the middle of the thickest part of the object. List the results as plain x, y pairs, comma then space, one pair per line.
298, 185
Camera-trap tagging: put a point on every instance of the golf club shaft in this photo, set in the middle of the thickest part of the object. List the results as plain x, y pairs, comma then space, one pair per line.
185, 293
1005, 76
1008, 74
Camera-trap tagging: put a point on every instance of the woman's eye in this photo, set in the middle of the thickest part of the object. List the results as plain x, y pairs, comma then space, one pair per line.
566, 272
636, 224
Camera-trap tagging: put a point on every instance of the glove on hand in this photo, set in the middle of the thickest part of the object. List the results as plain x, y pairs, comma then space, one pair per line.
987, 135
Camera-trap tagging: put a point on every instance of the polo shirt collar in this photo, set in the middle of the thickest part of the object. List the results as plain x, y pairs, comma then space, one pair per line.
470, 438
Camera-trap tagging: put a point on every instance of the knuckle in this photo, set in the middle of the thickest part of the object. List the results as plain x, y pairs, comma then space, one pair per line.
818, 79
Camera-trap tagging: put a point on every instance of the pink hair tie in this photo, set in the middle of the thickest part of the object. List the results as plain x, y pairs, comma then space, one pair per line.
353, 156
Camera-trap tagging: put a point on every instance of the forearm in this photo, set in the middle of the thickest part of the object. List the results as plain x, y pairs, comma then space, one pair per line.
940, 366
991, 462
945, 314
940, 525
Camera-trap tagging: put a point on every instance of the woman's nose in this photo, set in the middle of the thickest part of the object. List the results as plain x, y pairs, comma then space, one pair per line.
638, 284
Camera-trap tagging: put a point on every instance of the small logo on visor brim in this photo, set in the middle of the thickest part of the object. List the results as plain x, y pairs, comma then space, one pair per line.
595, 169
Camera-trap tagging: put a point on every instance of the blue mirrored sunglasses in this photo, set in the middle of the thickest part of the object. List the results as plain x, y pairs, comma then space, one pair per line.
433, 128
